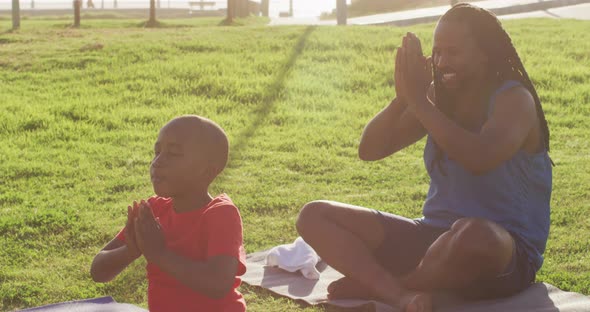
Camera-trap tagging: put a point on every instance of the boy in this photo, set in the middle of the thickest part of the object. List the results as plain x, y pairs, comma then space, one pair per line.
192, 242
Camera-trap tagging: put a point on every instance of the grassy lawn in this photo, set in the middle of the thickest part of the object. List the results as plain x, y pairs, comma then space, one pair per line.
81, 109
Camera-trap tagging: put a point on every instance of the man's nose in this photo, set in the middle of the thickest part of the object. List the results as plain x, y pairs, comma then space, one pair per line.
441, 61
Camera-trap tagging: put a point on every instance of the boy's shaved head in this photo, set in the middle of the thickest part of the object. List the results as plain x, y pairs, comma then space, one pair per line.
209, 138
190, 152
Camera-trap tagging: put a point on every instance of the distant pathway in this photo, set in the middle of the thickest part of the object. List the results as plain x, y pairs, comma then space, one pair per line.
504, 8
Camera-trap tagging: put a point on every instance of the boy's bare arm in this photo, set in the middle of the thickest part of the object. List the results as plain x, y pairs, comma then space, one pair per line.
110, 261
117, 255
213, 277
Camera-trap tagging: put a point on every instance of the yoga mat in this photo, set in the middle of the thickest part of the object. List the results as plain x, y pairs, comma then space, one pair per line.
540, 297
103, 304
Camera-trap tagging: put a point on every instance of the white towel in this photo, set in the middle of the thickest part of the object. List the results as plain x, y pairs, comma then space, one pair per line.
298, 256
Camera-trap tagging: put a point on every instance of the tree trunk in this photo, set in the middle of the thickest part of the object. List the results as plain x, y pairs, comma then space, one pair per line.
242, 8
77, 5
152, 21
231, 11
264, 5
15, 14
341, 9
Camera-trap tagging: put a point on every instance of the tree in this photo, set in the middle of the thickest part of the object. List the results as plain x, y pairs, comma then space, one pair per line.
15, 14
152, 21
264, 7
341, 13
242, 9
231, 11
77, 6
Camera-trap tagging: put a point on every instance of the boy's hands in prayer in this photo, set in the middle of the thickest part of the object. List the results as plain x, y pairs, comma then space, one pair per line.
130, 238
148, 232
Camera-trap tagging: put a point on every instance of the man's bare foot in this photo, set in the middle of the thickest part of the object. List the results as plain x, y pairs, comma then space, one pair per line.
417, 302
347, 288
409, 301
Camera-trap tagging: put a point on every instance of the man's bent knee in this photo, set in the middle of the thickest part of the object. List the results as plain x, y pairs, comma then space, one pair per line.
309, 214
480, 239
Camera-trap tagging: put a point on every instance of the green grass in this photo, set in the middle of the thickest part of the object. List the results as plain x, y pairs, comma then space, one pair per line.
81, 109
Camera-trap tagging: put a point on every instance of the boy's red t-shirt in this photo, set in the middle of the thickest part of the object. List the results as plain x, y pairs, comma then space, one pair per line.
213, 230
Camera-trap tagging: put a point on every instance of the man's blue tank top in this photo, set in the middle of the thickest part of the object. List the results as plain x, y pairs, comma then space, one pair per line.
515, 195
